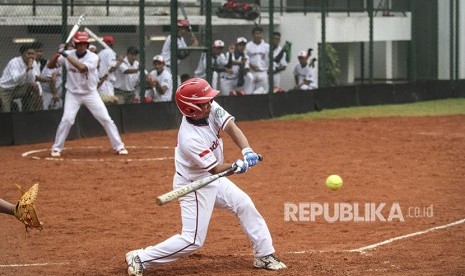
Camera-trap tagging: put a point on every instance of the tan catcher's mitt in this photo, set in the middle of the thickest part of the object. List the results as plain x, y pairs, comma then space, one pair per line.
25, 211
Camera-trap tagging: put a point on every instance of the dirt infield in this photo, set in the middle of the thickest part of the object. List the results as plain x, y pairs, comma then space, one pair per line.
96, 206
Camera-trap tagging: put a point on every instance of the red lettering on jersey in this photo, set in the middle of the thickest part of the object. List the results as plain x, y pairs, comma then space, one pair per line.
203, 153
214, 145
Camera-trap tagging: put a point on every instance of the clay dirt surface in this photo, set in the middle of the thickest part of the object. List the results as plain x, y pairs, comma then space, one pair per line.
96, 205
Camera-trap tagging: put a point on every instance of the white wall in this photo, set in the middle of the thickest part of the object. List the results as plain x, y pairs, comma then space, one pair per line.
304, 31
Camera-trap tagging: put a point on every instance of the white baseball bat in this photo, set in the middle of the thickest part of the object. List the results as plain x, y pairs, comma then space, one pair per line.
98, 39
75, 28
184, 14
184, 190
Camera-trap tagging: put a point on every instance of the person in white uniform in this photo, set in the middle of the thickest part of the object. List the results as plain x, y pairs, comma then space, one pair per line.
81, 89
302, 72
237, 68
257, 50
279, 60
108, 63
52, 90
160, 82
199, 153
218, 61
183, 29
313, 74
127, 77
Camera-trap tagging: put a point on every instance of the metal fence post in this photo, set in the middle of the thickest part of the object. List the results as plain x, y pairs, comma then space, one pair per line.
174, 44
370, 50
270, 54
322, 71
142, 49
208, 40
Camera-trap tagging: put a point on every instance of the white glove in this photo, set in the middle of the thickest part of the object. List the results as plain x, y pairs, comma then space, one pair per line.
240, 166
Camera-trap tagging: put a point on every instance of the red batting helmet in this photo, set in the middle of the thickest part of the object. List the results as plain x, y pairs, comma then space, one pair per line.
81, 37
183, 23
191, 93
109, 40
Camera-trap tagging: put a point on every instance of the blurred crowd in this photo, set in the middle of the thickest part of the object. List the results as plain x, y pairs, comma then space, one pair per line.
239, 68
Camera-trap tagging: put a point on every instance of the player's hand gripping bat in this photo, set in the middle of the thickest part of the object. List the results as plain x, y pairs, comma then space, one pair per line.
184, 190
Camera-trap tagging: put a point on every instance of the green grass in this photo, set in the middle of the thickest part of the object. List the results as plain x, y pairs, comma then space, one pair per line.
429, 108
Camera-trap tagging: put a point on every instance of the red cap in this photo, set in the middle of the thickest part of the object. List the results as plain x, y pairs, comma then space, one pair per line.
109, 40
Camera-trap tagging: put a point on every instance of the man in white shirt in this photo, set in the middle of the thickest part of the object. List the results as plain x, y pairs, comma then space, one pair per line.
127, 77
81, 89
19, 80
257, 50
160, 82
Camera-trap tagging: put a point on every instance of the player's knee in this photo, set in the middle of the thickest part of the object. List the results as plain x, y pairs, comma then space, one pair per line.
196, 241
245, 204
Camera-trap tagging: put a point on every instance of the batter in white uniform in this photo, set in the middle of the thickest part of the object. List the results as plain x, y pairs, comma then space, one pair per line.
199, 153
81, 86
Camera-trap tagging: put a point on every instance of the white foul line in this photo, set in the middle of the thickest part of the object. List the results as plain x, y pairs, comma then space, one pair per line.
369, 247
362, 250
38, 264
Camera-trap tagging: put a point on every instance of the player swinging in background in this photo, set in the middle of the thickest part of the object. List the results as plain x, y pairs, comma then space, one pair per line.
199, 153
81, 87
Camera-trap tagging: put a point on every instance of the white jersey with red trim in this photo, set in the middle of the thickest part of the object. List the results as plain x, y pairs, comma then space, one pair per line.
200, 147
77, 82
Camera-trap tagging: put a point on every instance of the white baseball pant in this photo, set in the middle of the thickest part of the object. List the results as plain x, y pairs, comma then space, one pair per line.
196, 211
94, 103
255, 80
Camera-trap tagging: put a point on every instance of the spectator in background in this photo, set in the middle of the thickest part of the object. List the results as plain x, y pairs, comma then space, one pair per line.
108, 63
313, 74
183, 29
279, 60
127, 77
52, 97
218, 62
39, 48
236, 69
257, 50
93, 48
185, 77
302, 75
19, 81
159, 82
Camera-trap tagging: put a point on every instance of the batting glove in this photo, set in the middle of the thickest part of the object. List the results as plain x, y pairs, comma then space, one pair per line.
250, 157
240, 166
